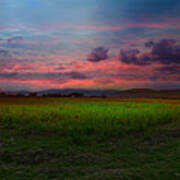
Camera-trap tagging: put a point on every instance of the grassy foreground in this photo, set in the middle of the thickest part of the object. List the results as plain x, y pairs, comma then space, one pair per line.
65, 138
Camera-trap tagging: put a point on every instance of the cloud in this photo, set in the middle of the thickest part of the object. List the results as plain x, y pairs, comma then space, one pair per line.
5, 56
6, 66
42, 76
14, 40
76, 75
133, 56
4, 52
166, 51
98, 54
169, 69
149, 44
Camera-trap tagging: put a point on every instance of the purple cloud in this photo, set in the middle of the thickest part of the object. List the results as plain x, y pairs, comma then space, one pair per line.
169, 69
98, 54
133, 56
149, 44
166, 51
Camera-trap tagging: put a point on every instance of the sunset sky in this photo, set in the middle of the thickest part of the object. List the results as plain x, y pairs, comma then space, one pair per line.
94, 44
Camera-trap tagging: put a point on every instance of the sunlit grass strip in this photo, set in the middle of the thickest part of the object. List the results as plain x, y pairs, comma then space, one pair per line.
84, 118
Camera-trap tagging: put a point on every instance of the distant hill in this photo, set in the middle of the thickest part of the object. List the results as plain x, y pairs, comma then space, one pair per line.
131, 93
84, 92
150, 93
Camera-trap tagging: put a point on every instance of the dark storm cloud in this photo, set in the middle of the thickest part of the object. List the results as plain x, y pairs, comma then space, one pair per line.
98, 54
166, 51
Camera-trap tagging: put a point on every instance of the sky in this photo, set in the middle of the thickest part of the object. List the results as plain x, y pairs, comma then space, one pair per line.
89, 44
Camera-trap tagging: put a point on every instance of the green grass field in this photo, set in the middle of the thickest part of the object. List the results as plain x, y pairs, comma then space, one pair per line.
89, 138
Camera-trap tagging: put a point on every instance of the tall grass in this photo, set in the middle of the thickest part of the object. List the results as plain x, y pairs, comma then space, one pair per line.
86, 117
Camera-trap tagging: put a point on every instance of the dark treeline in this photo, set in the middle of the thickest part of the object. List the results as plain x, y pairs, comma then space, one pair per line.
134, 93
